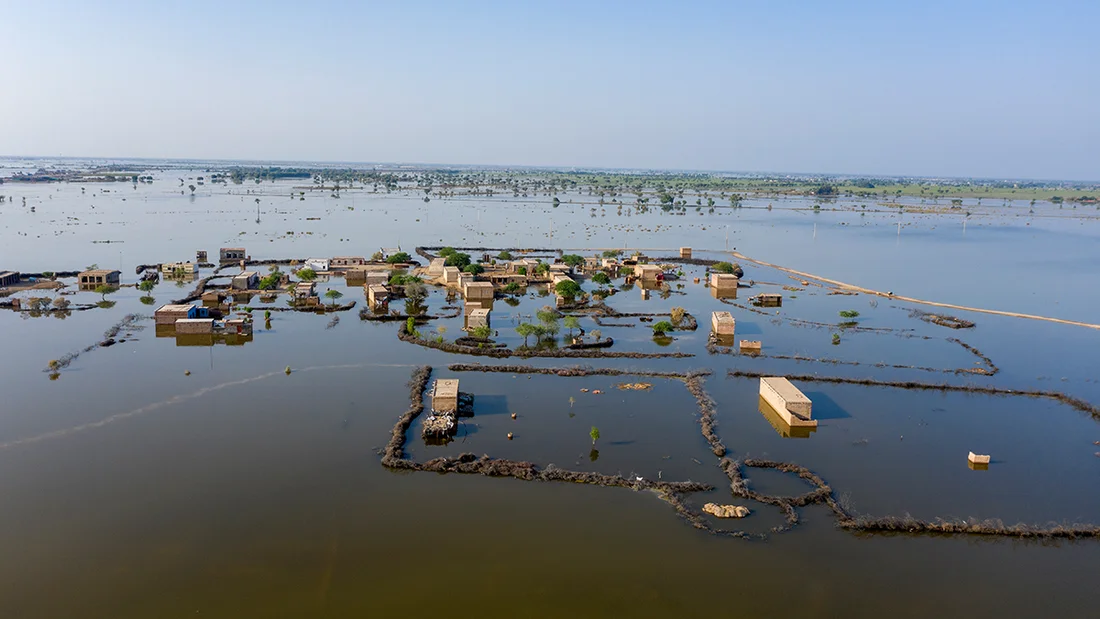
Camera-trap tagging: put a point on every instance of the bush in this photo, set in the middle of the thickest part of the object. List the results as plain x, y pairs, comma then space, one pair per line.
377, 256
504, 255
723, 267
677, 315
513, 288
567, 288
849, 314
457, 259
482, 333
307, 274
521, 270
573, 260
446, 252
662, 327
399, 258
601, 278
474, 269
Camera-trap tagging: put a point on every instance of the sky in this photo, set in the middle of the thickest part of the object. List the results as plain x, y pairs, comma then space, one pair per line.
1003, 89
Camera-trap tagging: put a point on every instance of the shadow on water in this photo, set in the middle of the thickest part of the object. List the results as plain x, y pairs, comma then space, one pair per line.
825, 407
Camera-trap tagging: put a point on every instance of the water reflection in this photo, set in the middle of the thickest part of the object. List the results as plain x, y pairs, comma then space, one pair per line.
781, 426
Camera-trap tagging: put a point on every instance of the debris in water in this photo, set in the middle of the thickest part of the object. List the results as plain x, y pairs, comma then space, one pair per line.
726, 511
187, 372
288, 370
635, 386
978, 459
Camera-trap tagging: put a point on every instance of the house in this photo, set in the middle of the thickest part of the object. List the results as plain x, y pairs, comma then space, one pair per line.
372, 278
450, 275
610, 263
528, 264
171, 268
767, 299
303, 290
463, 279
317, 264
477, 291
722, 323
9, 278
246, 280
791, 404
478, 318
170, 313
343, 262
377, 295
185, 326
559, 267
685, 253
648, 272
445, 395
200, 256
435, 267
98, 277
389, 251
724, 281
230, 254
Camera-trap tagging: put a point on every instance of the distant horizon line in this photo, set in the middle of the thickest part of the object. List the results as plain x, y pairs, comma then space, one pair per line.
423, 166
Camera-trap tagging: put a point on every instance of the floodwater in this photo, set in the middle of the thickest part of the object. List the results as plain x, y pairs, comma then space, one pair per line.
134, 490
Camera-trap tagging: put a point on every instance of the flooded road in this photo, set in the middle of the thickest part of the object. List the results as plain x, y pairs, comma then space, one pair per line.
157, 479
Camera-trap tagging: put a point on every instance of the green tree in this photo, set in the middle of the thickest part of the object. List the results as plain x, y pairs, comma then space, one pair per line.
513, 288
601, 278
146, 285
662, 327
594, 433
334, 295
521, 270
611, 253
458, 259
573, 260
416, 292
474, 269
567, 288
105, 289
377, 257
482, 333
526, 329
307, 274
722, 267
504, 255
571, 323
399, 258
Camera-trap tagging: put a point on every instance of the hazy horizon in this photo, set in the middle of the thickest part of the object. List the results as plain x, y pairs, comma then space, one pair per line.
985, 90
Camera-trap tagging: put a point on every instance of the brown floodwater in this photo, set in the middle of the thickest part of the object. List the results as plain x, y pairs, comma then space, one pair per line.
131, 489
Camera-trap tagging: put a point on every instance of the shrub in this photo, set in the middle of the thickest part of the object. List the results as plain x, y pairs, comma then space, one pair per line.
399, 258
601, 278
573, 260
482, 333
513, 288
849, 314
677, 315
504, 255
567, 288
521, 270
662, 327
474, 269
307, 274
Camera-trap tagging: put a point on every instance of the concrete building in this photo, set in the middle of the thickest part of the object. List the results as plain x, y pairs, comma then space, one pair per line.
526, 263
477, 291
169, 314
751, 346
559, 268
377, 295
647, 272
343, 262
186, 326
724, 281
445, 395
478, 318
685, 253
230, 254
610, 263
376, 278
768, 299
779, 424
98, 277
170, 268
463, 279
303, 290
435, 267
9, 278
722, 324
450, 275
246, 280
792, 405
317, 264
200, 256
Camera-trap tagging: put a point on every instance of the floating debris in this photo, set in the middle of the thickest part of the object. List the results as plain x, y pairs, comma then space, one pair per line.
726, 511
635, 386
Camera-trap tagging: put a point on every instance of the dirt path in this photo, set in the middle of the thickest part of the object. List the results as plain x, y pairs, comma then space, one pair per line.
845, 286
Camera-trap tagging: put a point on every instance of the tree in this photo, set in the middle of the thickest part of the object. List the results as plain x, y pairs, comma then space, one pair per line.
595, 434
513, 288
416, 292
446, 252
504, 255
573, 260
723, 267
146, 285
542, 268
571, 323
457, 259
601, 278
105, 289
677, 314
399, 258
474, 269
482, 333
333, 294
307, 274
567, 288
61, 303
662, 327
377, 256
611, 253
521, 270
526, 329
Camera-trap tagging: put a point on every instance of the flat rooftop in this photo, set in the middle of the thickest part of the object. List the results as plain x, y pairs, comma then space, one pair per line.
785, 389
174, 308
723, 317
445, 388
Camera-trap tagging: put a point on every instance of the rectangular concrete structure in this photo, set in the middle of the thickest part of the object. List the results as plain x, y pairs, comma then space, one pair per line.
246, 280
685, 253
96, 277
768, 299
722, 323
230, 254
372, 278
477, 291
791, 404
317, 264
445, 395
170, 268
724, 281
169, 314
435, 267
377, 295
751, 345
195, 325
450, 275
342, 262
9, 278
478, 318
647, 272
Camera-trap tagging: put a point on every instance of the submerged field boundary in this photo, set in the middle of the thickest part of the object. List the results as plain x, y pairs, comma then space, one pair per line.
846, 286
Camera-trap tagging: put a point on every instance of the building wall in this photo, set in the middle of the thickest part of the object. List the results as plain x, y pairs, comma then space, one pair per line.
723, 323
799, 404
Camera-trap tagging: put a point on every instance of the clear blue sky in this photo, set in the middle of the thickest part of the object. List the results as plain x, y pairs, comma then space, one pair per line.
1002, 89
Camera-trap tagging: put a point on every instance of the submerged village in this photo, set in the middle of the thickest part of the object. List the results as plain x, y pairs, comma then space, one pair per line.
567, 311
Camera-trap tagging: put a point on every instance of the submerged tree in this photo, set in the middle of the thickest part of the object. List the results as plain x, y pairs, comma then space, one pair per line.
595, 434
105, 289
334, 295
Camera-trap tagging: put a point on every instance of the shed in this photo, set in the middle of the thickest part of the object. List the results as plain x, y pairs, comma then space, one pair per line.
450, 275
373, 278
170, 268
97, 277
317, 264
477, 291
200, 255
791, 404
9, 278
724, 281
170, 313
478, 318
767, 299
246, 280
722, 323
304, 289
647, 272
685, 253
194, 325
445, 395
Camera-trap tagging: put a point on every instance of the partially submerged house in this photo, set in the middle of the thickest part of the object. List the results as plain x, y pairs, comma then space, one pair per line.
373, 278
317, 264
200, 256
787, 400
303, 290
648, 272
445, 395
171, 268
230, 254
343, 262
435, 267
724, 282
377, 295
170, 313
767, 299
9, 278
723, 324
99, 277
477, 291
478, 318
189, 326
450, 275
685, 253
246, 280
